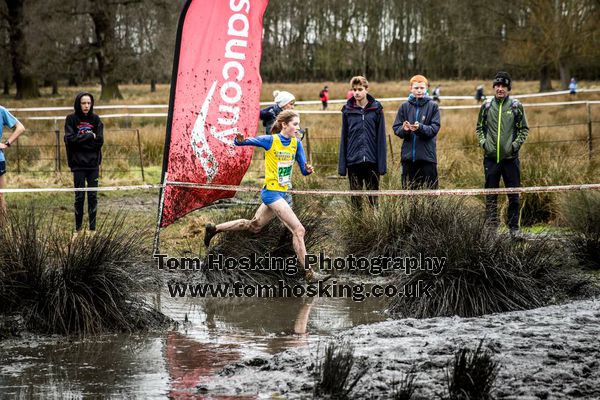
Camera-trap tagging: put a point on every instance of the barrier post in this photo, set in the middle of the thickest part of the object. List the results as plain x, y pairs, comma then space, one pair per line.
590, 138
308, 155
57, 158
137, 131
18, 158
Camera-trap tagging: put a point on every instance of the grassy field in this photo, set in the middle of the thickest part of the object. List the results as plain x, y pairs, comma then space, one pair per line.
557, 151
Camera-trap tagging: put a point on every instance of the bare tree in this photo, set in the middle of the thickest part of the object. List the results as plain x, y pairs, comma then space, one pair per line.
149, 30
22, 75
5, 67
103, 13
553, 35
118, 41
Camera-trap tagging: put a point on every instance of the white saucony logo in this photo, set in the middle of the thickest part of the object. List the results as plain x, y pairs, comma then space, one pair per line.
199, 143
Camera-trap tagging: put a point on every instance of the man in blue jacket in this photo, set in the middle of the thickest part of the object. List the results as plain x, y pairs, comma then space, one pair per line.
418, 123
362, 145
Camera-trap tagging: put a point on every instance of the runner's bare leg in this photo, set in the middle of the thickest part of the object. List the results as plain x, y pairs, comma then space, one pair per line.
261, 218
284, 212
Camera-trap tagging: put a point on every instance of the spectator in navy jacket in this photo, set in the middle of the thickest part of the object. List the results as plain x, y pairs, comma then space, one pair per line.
283, 101
418, 122
363, 145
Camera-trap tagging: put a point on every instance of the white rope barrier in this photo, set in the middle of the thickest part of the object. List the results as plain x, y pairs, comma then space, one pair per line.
266, 103
437, 192
322, 192
164, 115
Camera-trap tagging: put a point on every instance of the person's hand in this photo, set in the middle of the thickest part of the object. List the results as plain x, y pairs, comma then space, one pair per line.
239, 137
3, 146
414, 127
309, 168
406, 126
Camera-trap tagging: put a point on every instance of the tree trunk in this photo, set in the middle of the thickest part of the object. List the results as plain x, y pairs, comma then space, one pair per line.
152, 85
106, 55
25, 81
110, 90
6, 91
565, 74
72, 81
545, 81
54, 87
28, 88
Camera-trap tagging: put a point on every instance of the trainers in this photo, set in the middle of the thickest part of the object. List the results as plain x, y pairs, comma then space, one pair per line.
209, 233
313, 277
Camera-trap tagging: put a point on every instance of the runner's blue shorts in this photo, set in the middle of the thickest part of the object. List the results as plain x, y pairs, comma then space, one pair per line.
271, 196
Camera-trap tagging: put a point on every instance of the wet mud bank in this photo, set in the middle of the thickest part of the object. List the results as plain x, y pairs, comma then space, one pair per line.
549, 352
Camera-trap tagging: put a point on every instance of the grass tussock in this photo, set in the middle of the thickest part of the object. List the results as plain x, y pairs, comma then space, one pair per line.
370, 232
483, 271
473, 374
542, 167
82, 287
581, 213
404, 389
334, 372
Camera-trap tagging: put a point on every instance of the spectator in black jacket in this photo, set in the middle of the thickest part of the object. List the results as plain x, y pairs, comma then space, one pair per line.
363, 145
418, 122
84, 136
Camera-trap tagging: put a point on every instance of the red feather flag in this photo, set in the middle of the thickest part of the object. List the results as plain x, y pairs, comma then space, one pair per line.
215, 93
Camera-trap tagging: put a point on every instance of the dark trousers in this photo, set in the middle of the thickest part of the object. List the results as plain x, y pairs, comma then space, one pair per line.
419, 175
79, 179
510, 171
365, 174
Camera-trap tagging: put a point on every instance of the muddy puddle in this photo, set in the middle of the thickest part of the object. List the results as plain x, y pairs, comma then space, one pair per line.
213, 333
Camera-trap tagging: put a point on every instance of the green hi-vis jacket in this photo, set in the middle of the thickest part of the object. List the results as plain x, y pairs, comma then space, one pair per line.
501, 128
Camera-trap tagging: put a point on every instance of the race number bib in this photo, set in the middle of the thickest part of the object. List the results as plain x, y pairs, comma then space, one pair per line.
284, 172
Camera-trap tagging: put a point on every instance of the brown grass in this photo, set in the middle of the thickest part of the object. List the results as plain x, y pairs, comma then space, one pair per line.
458, 156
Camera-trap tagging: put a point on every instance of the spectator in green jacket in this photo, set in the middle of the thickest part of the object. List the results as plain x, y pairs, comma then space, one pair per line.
502, 129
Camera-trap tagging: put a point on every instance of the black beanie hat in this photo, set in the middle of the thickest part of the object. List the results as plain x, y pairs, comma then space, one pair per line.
503, 78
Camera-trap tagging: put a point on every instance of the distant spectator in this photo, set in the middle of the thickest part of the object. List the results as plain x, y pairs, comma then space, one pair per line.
324, 96
573, 86
349, 94
283, 101
436, 93
479, 96
7, 119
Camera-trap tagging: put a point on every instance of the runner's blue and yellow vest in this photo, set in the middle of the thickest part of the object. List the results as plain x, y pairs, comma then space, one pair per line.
279, 162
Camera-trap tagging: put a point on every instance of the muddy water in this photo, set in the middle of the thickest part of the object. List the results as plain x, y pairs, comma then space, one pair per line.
213, 333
